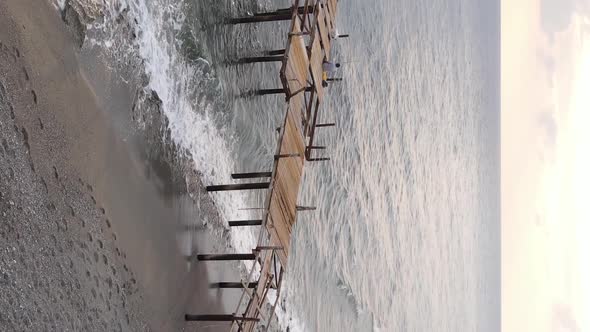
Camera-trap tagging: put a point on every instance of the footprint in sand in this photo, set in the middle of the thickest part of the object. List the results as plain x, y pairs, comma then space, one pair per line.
11, 110
109, 282
53, 239
57, 226
6, 53
26, 139
44, 184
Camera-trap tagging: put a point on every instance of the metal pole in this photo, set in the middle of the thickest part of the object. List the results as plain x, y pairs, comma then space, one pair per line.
218, 318
242, 186
255, 59
238, 223
325, 125
252, 175
227, 257
232, 285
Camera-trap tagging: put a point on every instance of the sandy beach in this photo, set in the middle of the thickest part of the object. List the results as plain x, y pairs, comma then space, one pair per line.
93, 217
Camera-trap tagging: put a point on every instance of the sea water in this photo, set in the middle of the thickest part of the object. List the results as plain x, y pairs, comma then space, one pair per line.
406, 232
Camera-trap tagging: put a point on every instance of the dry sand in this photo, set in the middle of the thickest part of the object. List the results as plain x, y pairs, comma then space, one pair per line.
89, 220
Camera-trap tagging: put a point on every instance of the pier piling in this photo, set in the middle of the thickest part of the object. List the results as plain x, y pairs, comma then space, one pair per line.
252, 175
284, 14
275, 52
257, 59
307, 47
238, 223
232, 285
218, 318
226, 257
241, 186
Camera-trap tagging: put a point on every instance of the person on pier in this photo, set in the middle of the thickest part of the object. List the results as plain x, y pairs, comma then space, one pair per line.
330, 67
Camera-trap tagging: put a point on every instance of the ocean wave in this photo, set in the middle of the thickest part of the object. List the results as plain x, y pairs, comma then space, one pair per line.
145, 34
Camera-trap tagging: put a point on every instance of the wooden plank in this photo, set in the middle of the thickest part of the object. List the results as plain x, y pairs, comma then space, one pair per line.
324, 32
295, 70
316, 62
297, 108
333, 7
258, 300
283, 205
330, 20
301, 68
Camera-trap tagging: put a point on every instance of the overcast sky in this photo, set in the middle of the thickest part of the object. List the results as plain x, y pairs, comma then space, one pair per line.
545, 165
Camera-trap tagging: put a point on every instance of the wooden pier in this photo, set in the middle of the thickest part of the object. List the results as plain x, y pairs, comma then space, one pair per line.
308, 45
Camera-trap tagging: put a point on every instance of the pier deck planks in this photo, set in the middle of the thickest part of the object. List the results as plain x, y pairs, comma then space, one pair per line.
301, 68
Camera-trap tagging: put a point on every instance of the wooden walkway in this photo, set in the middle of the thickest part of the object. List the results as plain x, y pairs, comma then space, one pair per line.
308, 46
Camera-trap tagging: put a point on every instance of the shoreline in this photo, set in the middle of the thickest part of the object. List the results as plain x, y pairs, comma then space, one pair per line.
119, 216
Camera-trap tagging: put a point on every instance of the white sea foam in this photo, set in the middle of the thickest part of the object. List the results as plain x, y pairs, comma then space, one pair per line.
190, 122
61, 4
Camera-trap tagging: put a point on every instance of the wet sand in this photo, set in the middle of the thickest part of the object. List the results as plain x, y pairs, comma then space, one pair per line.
95, 227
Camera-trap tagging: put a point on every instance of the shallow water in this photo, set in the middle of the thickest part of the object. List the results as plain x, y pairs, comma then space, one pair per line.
406, 235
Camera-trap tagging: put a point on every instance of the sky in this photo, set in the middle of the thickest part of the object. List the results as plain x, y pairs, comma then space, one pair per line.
545, 165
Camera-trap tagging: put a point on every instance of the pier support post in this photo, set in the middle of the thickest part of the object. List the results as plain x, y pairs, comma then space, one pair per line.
232, 285
252, 175
241, 186
256, 59
275, 52
263, 92
284, 14
287, 155
260, 18
320, 125
227, 257
218, 318
238, 223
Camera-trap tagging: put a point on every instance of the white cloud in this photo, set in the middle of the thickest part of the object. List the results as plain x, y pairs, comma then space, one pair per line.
539, 70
